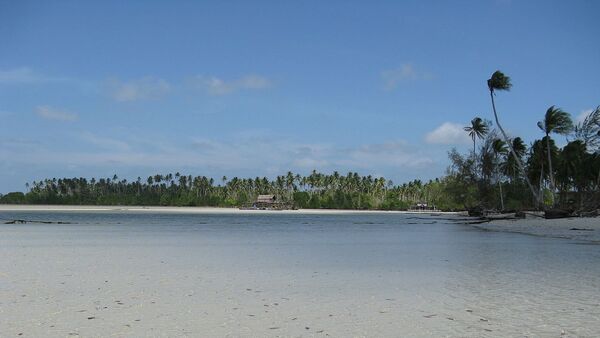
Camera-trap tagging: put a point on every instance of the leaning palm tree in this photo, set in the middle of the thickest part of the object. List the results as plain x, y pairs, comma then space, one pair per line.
477, 130
559, 122
497, 82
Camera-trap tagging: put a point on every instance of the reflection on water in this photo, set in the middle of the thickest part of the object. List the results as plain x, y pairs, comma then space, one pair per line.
378, 271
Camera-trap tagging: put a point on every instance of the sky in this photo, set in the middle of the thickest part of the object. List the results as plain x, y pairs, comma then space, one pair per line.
240, 88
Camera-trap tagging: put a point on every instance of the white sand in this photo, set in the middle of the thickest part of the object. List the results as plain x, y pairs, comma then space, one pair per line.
115, 280
202, 210
557, 228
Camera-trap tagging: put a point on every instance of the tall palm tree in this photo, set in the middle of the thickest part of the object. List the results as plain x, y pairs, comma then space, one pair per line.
499, 149
478, 129
497, 82
559, 122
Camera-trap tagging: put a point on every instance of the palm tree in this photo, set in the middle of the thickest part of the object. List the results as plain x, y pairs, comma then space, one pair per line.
588, 130
499, 81
559, 122
510, 166
478, 129
499, 149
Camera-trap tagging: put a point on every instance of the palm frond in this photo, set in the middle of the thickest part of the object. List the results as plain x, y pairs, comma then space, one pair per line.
588, 130
557, 121
499, 81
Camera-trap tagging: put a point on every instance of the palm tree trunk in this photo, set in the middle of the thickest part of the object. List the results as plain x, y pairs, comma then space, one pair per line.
550, 173
541, 180
501, 195
512, 150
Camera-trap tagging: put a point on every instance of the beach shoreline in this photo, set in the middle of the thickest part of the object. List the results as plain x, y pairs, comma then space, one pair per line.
203, 210
573, 228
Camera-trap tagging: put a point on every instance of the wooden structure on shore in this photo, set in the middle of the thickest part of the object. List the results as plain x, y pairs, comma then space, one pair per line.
268, 202
265, 201
423, 207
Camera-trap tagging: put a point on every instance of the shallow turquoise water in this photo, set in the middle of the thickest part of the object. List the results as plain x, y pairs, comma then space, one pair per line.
471, 282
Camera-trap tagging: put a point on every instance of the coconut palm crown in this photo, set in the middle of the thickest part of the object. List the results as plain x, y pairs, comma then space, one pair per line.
559, 122
556, 121
478, 129
499, 81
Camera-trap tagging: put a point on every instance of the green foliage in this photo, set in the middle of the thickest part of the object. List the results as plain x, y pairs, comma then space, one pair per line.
499, 81
315, 190
13, 198
588, 131
556, 121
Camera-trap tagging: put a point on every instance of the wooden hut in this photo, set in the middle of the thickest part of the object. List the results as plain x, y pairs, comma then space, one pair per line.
265, 201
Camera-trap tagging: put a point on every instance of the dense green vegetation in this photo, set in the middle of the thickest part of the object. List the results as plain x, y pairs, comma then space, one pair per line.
316, 190
503, 173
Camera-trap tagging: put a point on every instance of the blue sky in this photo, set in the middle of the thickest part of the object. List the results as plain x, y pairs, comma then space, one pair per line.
259, 88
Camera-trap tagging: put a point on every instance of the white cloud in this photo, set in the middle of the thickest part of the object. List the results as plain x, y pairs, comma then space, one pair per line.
406, 72
245, 157
25, 75
217, 86
448, 133
140, 89
581, 117
49, 113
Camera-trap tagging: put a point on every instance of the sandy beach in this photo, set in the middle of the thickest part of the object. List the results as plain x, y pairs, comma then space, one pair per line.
576, 228
109, 272
204, 210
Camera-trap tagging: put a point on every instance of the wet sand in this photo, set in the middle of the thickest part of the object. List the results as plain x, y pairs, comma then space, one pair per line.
129, 274
576, 228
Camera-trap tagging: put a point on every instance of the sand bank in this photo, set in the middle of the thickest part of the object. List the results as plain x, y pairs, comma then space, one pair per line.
577, 228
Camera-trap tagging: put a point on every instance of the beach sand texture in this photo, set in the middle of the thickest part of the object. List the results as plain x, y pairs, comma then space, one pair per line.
362, 278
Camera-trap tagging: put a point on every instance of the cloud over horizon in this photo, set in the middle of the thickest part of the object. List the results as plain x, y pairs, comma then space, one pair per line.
448, 133
244, 157
581, 117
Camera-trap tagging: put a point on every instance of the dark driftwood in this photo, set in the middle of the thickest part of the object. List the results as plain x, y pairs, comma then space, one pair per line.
557, 213
23, 221
476, 212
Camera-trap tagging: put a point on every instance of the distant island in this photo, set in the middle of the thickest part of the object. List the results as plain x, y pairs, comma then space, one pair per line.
500, 174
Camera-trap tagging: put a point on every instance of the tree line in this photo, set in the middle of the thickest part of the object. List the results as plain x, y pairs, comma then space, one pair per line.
503, 173
316, 190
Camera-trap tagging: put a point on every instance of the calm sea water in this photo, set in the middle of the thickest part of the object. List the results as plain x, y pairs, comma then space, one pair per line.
376, 274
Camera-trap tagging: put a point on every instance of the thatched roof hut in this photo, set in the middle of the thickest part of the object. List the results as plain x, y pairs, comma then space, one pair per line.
266, 199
